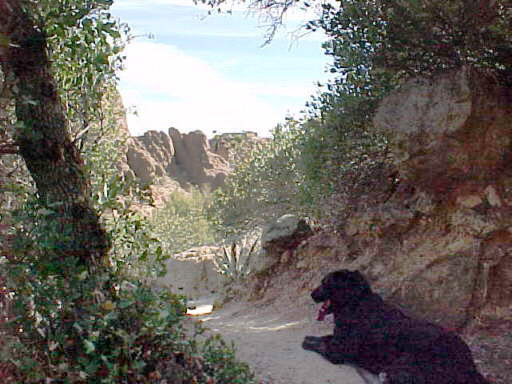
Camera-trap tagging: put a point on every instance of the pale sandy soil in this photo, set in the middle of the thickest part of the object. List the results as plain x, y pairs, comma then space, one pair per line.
269, 338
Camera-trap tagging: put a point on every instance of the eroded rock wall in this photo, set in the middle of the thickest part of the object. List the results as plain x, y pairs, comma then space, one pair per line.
193, 273
440, 243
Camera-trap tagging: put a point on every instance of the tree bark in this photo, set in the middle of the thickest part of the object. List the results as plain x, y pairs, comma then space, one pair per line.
43, 138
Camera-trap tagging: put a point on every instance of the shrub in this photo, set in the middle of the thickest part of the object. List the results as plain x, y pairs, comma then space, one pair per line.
261, 187
416, 37
235, 260
182, 223
77, 324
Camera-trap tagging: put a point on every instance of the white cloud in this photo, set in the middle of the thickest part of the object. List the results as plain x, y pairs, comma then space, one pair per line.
171, 88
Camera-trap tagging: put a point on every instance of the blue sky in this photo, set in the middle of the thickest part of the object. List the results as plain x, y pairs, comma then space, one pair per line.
211, 72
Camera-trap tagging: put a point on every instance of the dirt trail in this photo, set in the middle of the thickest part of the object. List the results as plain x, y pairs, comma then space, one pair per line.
269, 338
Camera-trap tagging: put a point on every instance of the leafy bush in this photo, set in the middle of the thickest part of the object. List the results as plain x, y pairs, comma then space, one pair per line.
182, 223
304, 164
416, 37
76, 324
334, 152
125, 334
262, 186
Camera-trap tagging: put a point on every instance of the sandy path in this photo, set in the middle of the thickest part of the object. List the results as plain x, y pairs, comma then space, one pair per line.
270, 341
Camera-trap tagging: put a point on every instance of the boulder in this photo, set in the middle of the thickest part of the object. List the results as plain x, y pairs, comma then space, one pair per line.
449, 131
193, 273
159, 146
284, 234
150, 156
140, 162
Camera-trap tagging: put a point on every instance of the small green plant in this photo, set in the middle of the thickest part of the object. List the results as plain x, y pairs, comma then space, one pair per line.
218, 354
235, 260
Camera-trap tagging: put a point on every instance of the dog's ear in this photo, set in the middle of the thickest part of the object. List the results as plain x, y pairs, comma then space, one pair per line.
358, 280
344, 277
348, 286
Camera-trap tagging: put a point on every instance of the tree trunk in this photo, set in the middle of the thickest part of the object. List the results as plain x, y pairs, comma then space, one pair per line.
43, 137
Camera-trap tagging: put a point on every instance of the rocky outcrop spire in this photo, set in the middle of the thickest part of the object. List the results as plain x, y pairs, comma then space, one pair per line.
150, 156
185, 158
195, 162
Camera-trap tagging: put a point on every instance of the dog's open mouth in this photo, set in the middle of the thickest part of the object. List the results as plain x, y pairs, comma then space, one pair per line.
324, 310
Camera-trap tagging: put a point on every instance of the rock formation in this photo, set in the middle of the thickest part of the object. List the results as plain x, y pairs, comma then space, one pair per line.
452, 141
194, 162
188, 159
440, 241
284, 234
150, 156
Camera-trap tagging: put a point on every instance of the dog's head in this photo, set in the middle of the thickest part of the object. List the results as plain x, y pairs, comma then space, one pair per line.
340, 288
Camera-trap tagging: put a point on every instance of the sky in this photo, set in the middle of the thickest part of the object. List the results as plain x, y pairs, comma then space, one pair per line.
211, 73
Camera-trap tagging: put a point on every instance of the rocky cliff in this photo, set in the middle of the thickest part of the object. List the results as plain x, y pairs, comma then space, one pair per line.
436, 235
187, 159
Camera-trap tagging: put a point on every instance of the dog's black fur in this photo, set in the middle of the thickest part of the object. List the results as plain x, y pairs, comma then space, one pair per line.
378, 337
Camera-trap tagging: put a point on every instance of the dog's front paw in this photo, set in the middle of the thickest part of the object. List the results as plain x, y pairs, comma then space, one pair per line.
314, 343
311, 343
400, 377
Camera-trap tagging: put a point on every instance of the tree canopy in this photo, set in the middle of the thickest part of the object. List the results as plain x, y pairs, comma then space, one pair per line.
375, 45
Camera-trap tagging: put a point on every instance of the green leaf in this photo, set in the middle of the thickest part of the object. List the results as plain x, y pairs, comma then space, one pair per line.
89, 346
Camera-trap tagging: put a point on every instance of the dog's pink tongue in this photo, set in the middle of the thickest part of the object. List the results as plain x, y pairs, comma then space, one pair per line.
323, 310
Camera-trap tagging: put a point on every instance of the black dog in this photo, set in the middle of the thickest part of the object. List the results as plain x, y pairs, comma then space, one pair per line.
378, 337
